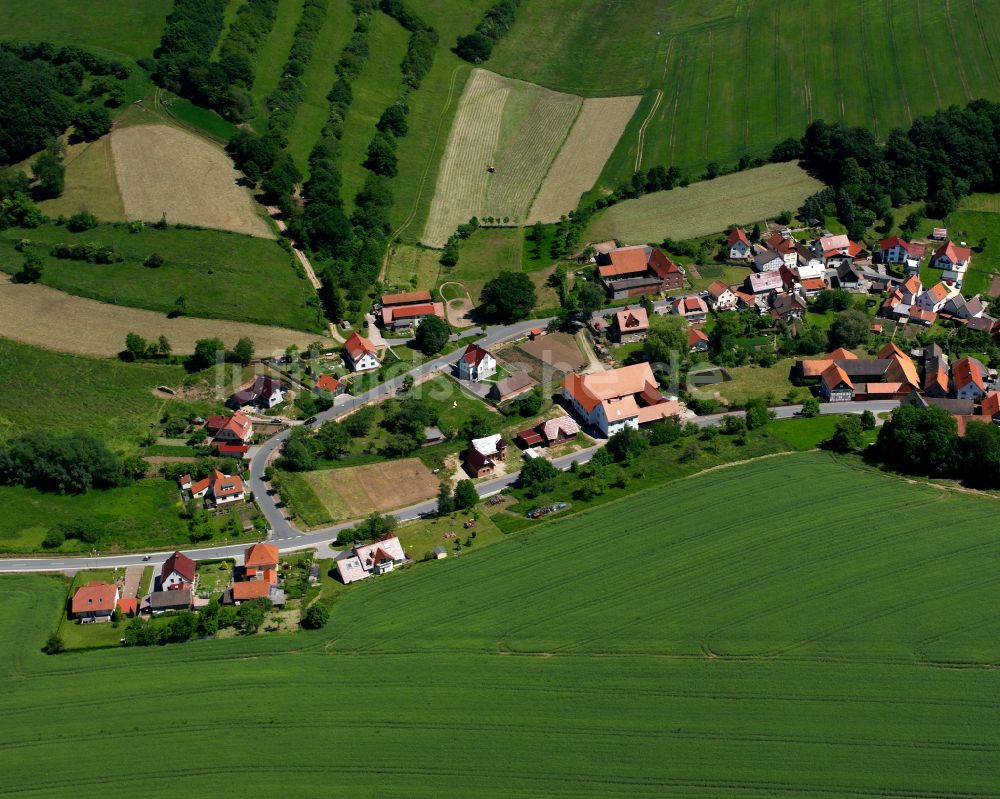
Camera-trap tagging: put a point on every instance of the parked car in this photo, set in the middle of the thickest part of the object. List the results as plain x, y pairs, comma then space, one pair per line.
310, 420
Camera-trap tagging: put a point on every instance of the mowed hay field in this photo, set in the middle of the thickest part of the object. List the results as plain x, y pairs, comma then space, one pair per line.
165, 170
356, 491
738, 77
706, 207
737, 650
44, 317
581, 159
518, 128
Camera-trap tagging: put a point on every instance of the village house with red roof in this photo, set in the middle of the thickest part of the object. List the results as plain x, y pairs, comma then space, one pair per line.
360, 354
618, 398
738, 244
692, 308
476, 364
220, 488
178, 571
630, 325
953, 261
376, 558
720, 297
406, 310
897, 250
94, 602
633, 271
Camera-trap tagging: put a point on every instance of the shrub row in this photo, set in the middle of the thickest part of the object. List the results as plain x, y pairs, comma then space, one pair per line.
90, 252
476, 47
284, 101
68, 54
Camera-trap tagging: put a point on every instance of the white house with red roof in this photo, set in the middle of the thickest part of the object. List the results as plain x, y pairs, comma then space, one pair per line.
630, 325
720, 296
360, 354
969, 378
178, 571
94, 602
953, 261
476, 364
376, 558
835, 385
738, 244
222, 489
692, 308
235, 429
897, 250
936, 297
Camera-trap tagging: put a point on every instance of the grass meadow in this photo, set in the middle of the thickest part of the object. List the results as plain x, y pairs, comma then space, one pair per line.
736, 78
706, 207
797, 650
219, 274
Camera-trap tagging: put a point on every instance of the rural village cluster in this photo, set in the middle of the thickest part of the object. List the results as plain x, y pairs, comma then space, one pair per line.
595, 397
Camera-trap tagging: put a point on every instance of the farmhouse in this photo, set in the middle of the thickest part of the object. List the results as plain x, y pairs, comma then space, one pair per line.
222, 489
360, 354
484, 453
164, 601
618, 398
260, 562
94, 602
264, 393
738, 244
178, 571
511, 387
968, 377
835, 386
372, 559
720, 296
549, 433
896, 250
630, 325
403, 311
634, 271
476, 364
692, 308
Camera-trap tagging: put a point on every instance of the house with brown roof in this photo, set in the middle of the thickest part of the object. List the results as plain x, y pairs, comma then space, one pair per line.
372, 559
954, 261
360, 354
476, 364
835, 385
235, 429
263, 393
549, 433
720, 296
484, 453
510, 387
630, 325
260, 562
738, 244
697, 340
618, 398
968, 377
901, 368
220, 488
787, 306
990, 408
633, 271
94, 602
329, 384
241, 592
166, 601
406, 310
178, 571
692, 308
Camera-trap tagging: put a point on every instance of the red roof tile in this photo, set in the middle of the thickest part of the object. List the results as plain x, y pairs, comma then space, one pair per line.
92, 597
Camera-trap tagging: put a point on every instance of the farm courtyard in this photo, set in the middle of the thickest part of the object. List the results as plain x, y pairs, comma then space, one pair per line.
734, 654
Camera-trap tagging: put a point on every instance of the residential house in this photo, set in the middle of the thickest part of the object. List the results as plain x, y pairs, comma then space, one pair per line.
164, 601
618, 398
935, 298
936, 372
958, 307
767, 260
264, 393
901, 368
896, 250
178, 571
738, 244
633, 271
220, 488
954, 261
808, 279
763, 283
360, 354
984, 324
720, 296
835, 386
476, 364
484, 453
968, 377
511, 387
376, 558
692, 308
990, 408
630, 325
241, 592
785, 247
956, 407
697, 340
329, 384
846, 275
827, 247
407, 310
260, 562
94, 602
787, 306
235, 430
550, 433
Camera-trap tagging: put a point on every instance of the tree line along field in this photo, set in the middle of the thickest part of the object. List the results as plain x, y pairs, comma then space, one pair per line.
707, 206
518, 129
736, 78
219, 275
790, 652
